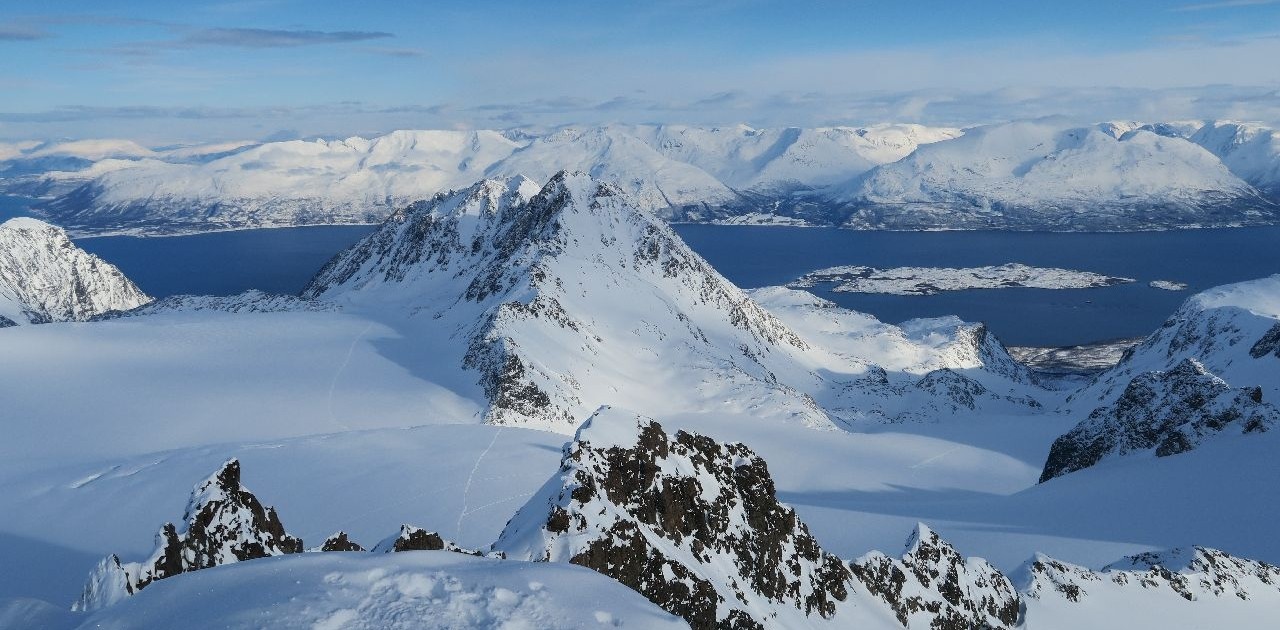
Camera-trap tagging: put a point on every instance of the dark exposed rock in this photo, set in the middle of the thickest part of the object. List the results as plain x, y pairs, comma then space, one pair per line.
1269, 343
729, 548
223, 523
1164, 412
340, 542
411, 538
933, 583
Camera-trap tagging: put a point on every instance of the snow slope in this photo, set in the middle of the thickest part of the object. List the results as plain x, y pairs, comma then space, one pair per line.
44, 277
424, 589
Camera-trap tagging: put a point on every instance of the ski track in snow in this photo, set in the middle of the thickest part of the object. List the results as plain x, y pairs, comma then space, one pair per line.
466, 490
338, 373
929, 460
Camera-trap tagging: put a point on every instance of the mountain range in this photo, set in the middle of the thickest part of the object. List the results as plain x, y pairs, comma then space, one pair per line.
1035, 175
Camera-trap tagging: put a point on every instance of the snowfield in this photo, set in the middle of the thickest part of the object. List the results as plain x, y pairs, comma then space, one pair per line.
438, 374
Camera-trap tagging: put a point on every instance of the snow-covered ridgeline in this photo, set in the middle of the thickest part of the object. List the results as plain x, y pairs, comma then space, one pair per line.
363, 180
44, 277
932, 280
1045, 174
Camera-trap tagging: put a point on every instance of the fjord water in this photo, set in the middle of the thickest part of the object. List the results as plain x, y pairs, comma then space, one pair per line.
284, 259
279, 260
753, 256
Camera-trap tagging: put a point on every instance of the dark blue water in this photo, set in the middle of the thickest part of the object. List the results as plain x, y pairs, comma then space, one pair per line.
754, 256
13, 206
283, 260
223, 263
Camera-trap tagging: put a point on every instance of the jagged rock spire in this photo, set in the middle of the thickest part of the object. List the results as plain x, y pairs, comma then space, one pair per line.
223, 523
692, 524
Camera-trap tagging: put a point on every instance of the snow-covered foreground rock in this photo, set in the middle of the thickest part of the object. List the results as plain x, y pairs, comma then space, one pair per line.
1043, 174
691, 524
223, 524
44, 277
933, 280
688, 523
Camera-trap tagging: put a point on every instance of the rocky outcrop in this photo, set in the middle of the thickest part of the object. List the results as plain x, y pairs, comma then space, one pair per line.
1164, 413
339, 542
223, 523
251, 301
44, 277
933, 585
692, 524
1196, 574
411, 538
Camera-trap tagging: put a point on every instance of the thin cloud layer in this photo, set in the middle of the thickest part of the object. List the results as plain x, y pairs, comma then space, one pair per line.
274, 38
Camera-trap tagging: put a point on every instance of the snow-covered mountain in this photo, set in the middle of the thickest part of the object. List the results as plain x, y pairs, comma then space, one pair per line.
573, 296
44, 277
1209, 372
1042, 175
284, 183
1162, 413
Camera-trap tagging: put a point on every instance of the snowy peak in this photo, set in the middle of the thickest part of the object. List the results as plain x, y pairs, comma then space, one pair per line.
44, 277
933, 585
692, 524
223, 523
411, 538
543, 295
1166, 413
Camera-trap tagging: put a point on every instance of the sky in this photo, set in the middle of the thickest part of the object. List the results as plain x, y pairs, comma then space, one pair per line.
162, 71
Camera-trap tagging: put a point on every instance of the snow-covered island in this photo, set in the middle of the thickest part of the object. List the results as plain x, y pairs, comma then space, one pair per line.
933, 280
1168, 285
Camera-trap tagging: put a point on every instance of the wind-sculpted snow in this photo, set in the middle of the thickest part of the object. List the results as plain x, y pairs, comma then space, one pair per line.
933, 586
691, 524
1162, 412
224, 523
933, 280
395, 591
44, 277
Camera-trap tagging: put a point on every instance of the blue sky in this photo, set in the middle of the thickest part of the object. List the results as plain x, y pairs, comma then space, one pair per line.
166, 71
